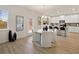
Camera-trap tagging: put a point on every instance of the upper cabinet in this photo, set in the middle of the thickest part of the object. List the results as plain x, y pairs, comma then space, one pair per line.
55, 20
72, 19
67, 18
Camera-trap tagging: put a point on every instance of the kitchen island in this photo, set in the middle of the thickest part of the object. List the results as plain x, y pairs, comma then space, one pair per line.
44, 38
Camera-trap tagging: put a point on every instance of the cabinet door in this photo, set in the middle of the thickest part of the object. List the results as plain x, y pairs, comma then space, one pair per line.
72, 18
67, 18
73, 29
55, 19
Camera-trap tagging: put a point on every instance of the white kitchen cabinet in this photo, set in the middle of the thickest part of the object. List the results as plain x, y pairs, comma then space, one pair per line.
73, 29
55, 20
67, 18
72, 18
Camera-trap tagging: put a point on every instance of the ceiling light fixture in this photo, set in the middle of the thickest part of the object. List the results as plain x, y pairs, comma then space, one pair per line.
73, 9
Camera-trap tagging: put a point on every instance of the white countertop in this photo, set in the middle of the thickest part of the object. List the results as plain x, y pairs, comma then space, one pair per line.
40, 31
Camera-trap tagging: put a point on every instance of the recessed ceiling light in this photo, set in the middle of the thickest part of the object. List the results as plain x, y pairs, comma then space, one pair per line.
73, 9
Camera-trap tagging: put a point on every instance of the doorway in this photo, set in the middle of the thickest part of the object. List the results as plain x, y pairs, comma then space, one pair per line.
29, 26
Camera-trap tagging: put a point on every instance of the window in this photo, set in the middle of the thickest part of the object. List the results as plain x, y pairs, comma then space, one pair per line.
3, 19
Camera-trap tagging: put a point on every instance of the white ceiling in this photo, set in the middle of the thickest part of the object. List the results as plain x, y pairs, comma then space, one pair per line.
54, 10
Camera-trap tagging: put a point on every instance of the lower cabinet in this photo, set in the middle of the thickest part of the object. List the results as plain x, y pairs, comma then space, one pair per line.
44, 39
73, 29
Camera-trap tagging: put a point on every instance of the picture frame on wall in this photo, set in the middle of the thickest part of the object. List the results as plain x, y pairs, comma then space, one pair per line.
4, 19
19, 23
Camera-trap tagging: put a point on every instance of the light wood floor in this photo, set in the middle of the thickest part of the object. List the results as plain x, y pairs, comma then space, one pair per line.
63, 45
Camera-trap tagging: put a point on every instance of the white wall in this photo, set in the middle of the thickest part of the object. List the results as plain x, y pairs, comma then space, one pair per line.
13, 11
